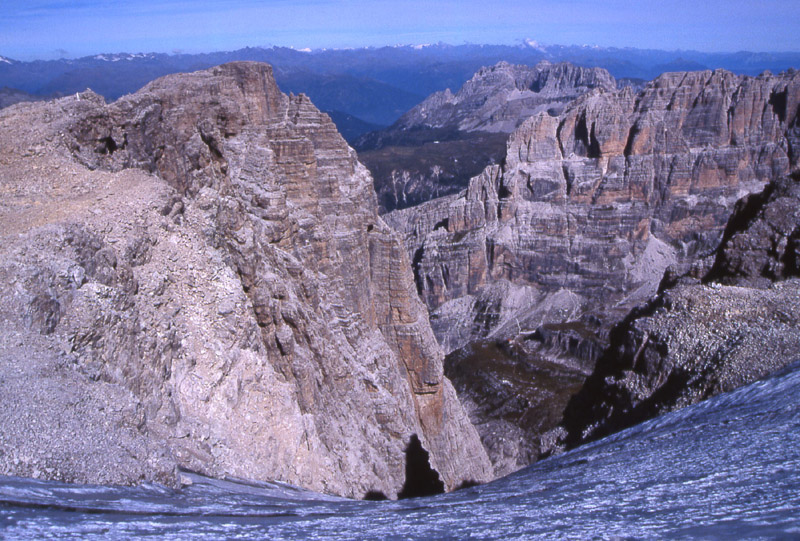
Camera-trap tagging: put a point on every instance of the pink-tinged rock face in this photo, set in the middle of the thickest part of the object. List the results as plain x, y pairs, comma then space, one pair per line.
273, 331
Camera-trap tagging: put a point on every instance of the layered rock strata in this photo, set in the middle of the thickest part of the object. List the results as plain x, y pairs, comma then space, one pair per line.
435, 148
698, 338
590, 208
199, 269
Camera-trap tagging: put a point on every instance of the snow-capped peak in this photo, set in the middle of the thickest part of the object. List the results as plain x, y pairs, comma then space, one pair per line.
5, 60
121, 56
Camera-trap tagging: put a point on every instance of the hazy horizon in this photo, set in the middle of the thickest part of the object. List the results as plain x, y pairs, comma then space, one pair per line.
50, 29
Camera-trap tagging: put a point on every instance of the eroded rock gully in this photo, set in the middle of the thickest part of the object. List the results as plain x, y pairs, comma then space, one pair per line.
540, 256
196, 276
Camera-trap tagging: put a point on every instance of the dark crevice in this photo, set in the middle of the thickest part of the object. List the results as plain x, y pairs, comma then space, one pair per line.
582, 132
415, 267
445, 275
442, 224
791, 255
778, 101
107, 145
421, 478
375, 496
631, 137
594, 145
567, 177
559, 138
211, 143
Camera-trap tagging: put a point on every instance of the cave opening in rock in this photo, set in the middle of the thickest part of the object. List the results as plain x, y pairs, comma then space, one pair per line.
779, 102
416, 265
109, 146
421, 478
375, 496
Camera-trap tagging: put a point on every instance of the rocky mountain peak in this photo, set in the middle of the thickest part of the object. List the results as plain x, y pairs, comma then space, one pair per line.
500, 97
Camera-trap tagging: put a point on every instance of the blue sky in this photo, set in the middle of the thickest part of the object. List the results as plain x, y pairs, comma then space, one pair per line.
53, 28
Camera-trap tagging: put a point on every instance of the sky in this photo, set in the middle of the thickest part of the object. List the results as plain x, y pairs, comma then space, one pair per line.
47, 29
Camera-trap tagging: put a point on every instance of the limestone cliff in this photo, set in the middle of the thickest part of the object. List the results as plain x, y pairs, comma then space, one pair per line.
596, 203
196, 275
551, 248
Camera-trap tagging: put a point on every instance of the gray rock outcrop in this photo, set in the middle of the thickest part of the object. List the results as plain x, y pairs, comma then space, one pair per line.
196, 276
499, 98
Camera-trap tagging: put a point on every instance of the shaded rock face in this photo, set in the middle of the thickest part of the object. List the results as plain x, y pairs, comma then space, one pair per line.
695, 340
590, 208
760, 244
210, 248
436, 147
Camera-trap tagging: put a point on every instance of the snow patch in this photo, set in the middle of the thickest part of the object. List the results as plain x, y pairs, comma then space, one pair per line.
121, 56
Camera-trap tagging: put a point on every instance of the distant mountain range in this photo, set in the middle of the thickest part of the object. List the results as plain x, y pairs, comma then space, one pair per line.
373, 85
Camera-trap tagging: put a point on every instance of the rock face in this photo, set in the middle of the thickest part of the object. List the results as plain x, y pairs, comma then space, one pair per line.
454, 136
596, 203
199, 269
695, 340
590, 208
500, 97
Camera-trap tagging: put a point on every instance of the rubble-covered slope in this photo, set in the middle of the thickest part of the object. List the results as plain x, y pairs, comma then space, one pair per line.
196, 275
